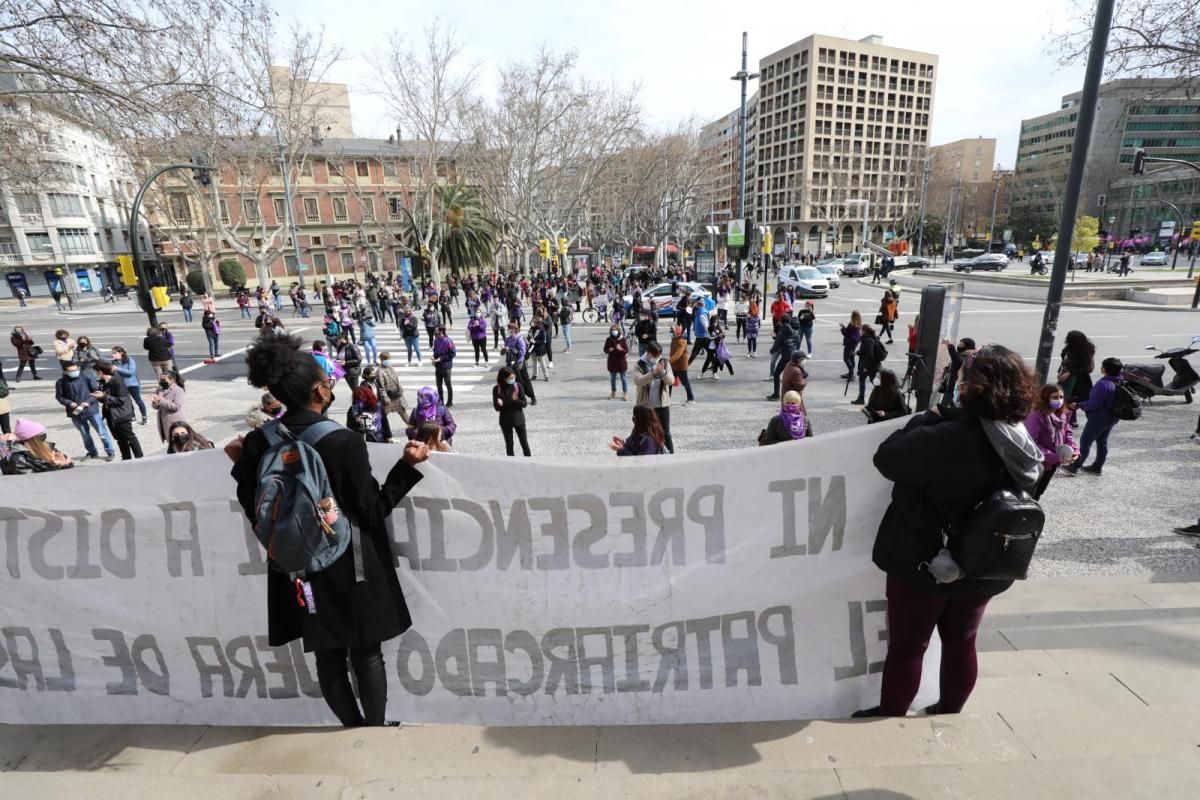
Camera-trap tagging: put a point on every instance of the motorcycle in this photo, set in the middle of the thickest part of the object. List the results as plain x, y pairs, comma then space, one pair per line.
1038, 269
1147, 379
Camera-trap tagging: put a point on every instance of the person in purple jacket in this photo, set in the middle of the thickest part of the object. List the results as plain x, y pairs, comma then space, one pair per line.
851, 336
477, 327
515, 352
1100, 419
1049, 425
647, 438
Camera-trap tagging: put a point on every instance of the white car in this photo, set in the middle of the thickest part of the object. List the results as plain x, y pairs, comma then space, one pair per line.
663, 300
831, 274
806, 281
1155, 259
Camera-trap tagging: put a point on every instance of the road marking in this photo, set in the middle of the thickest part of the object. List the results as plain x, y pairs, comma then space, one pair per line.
230, 354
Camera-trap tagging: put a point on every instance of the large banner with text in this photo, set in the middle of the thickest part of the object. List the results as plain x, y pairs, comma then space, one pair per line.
722, 586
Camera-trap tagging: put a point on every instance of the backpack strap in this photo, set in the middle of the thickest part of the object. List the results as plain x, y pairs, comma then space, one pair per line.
311, 436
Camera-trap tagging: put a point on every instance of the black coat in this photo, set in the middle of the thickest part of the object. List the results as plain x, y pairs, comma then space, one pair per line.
157, 348
348, 614
870, 356
118, 405
942, 467
513, 411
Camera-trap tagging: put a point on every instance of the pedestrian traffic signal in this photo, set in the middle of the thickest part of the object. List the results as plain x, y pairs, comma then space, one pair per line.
562, 246
1139, 161
544, 248
126, 270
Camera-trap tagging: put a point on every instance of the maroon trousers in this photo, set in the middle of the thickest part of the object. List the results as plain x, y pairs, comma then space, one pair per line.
912, 617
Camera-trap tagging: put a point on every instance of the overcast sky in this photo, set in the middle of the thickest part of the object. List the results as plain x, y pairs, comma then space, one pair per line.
995, 60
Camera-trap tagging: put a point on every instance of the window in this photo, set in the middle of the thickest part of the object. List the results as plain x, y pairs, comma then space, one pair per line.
362, 169
315, 241
306, 168
339, 209
280, 209
65, 205
223, 206
319, 263
312, 210
344, 240
180, 212
390, 169
415, 169
7, 246
39, 243
250, 210
372, 239
75, 241
28, 204
289, 265
348, 261
393, 207
367, 206
373, 260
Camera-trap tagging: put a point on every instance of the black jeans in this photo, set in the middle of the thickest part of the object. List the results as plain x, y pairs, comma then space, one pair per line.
526, 384
480, 346
127, 440
370, 676
447, 317
444, 388
32, 369
430, 332
507, 430
664, 417
701, 346
741, 328
848, 357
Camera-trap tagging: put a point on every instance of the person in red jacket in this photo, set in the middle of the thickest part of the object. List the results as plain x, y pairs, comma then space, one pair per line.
780, 307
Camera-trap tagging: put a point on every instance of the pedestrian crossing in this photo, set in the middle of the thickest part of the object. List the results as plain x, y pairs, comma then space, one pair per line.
466, 377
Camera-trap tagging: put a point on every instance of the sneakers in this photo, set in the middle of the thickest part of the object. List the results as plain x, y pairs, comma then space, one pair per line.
1092, 470
110, 457
771, 397
693, 402
858, 402
714, 377
1190, 530
1071, 471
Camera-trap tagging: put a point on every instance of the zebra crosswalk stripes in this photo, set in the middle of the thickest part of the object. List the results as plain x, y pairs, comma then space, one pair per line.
466, 376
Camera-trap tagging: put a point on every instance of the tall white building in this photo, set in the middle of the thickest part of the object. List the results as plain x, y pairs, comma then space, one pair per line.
840, 135
64, 200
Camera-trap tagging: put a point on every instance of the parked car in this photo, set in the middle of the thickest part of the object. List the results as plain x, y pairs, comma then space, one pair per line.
917, 262
664, 302
855, 265
831, 274
995, 262
1156, 259
806, 281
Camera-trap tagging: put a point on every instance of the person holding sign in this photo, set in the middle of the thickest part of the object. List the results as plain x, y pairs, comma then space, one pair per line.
349, 607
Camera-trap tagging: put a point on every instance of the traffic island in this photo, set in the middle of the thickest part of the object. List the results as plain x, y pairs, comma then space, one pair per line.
1155, 291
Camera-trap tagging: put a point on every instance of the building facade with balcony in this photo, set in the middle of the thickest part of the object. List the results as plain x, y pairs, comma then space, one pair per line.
351, 199
64, 210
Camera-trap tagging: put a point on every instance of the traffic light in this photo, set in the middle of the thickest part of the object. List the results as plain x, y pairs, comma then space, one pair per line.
544, 248
1196, 229
201, 173
160, 296
562, 246
768, 243
1139, 161
126, 270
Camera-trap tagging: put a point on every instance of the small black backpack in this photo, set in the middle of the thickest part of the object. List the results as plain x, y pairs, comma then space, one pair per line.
1126, 403
998, 540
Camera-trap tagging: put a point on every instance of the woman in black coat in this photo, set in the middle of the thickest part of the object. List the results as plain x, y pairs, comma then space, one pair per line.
943, 463
351, 618
508, 398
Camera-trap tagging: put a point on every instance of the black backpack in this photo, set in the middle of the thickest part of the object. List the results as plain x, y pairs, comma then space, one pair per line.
1126, 403
998, 540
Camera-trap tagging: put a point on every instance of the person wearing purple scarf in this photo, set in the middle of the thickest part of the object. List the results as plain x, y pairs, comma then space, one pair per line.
788, 425
430, 409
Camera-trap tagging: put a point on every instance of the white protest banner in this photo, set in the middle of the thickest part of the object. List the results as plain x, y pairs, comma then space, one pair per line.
721, 586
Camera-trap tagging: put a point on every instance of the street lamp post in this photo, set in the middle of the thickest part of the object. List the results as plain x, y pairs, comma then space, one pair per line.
743, 76
921, 217
144, 299
995, 197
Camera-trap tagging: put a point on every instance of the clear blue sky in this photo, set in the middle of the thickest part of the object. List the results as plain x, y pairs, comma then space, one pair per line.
996, 60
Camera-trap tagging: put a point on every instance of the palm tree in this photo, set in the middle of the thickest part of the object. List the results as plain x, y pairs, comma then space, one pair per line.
464, 234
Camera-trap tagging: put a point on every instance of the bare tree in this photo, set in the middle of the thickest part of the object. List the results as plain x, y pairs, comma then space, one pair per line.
540, 149
1149, 39
427, 88
250, 119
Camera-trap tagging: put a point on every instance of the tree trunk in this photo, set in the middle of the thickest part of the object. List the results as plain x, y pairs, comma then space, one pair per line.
262, 272
435, 273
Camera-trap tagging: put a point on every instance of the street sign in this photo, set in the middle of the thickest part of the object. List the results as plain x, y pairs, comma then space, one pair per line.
1008, 234
735, 233
706, 266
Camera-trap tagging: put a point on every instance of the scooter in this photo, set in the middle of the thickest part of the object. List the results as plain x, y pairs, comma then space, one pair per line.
1147, 379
